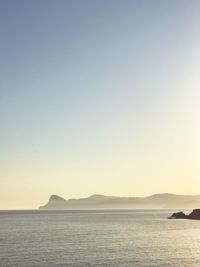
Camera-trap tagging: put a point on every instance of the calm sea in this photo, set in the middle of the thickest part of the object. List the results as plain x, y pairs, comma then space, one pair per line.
98, 238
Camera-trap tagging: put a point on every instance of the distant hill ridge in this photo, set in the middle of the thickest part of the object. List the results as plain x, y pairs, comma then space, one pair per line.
165, 200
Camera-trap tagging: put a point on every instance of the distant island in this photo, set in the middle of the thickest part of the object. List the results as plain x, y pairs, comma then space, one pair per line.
194, 215
157, 201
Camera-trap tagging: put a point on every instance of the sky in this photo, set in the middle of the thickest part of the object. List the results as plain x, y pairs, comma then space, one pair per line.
98, 97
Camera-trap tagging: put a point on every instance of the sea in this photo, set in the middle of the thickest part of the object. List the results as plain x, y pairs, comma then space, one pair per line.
104, 238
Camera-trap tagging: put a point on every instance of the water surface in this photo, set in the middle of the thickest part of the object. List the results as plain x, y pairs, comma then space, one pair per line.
121, 238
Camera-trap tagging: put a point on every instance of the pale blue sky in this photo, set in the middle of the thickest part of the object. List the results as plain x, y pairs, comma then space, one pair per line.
98, 97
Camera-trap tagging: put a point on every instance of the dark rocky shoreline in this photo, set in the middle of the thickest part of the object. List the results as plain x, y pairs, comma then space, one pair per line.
194, 215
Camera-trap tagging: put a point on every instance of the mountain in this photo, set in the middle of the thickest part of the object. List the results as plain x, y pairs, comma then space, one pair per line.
158, 201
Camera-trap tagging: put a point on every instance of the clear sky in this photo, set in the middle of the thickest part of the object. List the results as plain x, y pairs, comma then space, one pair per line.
98, 97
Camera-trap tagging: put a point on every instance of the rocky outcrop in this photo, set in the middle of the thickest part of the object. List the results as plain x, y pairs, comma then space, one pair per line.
178, 215
194, 215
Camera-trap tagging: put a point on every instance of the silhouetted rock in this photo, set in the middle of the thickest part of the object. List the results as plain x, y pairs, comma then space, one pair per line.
178, 215
194, 215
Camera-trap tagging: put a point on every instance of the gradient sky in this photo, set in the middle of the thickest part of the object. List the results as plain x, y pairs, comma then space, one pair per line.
98, 97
